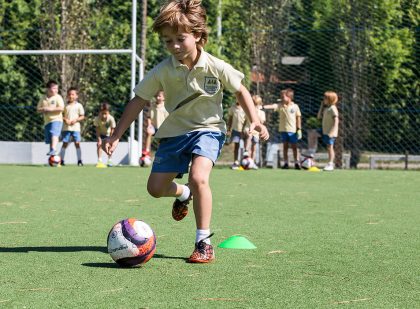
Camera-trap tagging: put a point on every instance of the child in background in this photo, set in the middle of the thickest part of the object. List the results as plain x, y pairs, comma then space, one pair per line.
52, 106
194, 132
328, 112
289, 125
252, 140
105, 125
73, 114
235, 126
157, 115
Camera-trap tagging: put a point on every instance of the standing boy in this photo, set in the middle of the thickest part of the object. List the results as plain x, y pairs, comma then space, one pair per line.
156, 116
51, 106
74, 113
194, 131
289, 125
235, 126
328, 112
105, 125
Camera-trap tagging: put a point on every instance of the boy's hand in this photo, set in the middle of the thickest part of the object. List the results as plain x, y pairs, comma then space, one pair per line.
110, 144
261, 129
299, 134
150, 130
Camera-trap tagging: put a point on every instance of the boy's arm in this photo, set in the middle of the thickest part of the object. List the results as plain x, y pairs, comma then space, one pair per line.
270, 106
229, 124
321, 109
299, 127
131, 112
335, 126
245, 100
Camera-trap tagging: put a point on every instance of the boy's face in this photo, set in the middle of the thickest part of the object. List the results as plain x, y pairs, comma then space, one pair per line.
160, 98
103, 115
52, 91
182, 45
72, 96
285, 98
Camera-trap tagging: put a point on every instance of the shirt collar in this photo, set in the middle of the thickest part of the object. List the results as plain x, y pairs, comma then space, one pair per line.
201, 63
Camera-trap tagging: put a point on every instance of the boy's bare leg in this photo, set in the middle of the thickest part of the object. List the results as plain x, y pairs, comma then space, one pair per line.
99, 152
200, 188
295, 152
235, 152
331, 154
162, 185
54, 142
148, 142
285, 152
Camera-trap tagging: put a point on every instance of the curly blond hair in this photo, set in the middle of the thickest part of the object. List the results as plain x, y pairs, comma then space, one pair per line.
188, 15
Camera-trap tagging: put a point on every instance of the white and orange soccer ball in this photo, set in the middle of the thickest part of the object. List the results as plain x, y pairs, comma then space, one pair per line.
307, 162
131, 242
54, 160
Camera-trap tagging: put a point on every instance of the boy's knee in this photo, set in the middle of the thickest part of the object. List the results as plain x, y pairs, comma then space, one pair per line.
154, 190
198, 181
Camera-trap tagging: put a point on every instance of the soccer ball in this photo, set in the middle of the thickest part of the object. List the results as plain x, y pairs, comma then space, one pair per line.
145, 161
307, 162
247, 163
54, 160
131, 242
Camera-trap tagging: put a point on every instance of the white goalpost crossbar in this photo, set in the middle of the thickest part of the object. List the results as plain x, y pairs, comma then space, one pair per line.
134, 147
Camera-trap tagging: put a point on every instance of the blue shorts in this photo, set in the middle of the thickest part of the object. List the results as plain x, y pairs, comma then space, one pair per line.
175, 153
289, 137
328, 140
52, 129
67, 135
235, 137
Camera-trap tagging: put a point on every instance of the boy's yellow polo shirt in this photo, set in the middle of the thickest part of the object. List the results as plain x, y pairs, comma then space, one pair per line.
192, 98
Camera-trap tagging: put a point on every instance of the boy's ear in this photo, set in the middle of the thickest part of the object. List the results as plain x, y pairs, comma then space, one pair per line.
197, 37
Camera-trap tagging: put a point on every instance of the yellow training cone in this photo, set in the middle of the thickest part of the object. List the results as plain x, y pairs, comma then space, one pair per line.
313, 169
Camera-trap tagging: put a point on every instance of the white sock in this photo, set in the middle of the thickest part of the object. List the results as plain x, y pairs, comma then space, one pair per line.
201, 234
185, 194
79, 154
62, 153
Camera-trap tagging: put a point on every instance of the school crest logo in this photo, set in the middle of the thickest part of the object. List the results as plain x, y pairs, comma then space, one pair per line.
211, 84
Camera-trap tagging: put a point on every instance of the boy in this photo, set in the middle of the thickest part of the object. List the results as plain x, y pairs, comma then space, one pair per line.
194, 131
157, 115
328, 112
252, 140
52, 106
289, 125
74, 113
105, 125
235, 126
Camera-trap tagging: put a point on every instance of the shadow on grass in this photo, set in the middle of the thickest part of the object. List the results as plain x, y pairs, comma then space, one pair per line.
53, 249
115, 265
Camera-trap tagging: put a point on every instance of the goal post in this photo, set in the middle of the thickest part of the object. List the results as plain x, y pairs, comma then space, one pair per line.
136, 64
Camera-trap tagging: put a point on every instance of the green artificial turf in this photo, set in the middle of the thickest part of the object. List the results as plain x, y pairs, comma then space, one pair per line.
324, 240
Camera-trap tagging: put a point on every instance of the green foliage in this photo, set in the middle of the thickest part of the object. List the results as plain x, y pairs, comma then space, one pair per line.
367, 51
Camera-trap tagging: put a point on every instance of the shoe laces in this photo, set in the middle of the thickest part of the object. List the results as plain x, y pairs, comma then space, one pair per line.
201, 245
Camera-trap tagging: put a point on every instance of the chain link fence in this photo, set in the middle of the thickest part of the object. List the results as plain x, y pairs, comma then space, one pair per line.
366, 51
